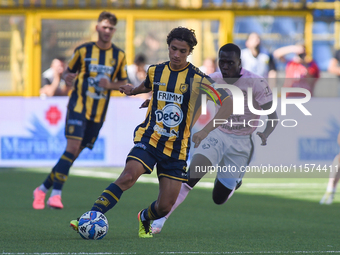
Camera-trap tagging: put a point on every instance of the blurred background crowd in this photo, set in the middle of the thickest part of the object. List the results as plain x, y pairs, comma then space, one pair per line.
282, 38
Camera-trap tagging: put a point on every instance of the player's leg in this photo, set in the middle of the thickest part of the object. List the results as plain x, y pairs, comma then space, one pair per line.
64, 163
79, 136
138, 162
171, 174
237, 156
74, 132
221, 193
198, 160
61, 171
334, 176
168, 192
209, 153
333, 180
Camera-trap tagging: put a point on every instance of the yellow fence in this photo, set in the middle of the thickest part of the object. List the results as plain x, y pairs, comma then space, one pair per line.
30, 38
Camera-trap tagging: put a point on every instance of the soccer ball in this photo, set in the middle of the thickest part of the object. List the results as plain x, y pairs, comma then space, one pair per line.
93, 225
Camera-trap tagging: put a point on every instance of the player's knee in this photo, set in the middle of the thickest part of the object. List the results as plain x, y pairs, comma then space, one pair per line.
73, 147
126, 180
219, 200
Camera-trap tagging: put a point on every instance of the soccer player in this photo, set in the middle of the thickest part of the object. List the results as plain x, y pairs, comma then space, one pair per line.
334, 176
164, 137
231, 144
94, 68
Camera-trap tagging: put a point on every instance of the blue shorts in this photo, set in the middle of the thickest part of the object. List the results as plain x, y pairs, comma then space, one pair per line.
79, 128
166, 166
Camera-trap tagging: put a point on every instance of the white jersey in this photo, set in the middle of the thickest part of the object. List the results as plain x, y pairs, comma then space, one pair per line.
258, 65
262, 94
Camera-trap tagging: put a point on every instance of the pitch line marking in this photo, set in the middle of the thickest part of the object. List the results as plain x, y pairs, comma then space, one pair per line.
170, 252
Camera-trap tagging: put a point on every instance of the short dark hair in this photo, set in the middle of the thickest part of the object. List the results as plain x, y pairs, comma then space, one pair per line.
140, 59
61, 58
230, 47
183, 34
109, 16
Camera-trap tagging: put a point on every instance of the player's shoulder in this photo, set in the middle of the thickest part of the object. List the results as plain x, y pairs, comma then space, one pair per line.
197, 70
115, 47
158, 65
248, 74
84, 45
253, 79
216, 75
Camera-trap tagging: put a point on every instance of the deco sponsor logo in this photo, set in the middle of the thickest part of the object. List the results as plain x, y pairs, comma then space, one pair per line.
171, 115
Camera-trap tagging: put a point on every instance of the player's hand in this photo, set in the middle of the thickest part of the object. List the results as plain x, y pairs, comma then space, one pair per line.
104, 83
69, 79
126, 89
145, 104
198, 137
263, 138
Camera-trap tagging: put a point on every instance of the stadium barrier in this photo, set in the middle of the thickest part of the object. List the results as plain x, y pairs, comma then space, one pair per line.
32, 133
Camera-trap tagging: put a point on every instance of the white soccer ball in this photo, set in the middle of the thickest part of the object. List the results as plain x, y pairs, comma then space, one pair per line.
93, 225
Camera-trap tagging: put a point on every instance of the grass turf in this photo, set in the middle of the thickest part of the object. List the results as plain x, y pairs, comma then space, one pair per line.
284, 217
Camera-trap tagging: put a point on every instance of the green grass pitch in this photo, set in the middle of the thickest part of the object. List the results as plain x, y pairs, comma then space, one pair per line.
265, 216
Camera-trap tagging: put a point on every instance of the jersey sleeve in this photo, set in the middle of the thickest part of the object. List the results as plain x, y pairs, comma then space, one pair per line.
208, 87
74, 64
122, 73
262, 92
147, 82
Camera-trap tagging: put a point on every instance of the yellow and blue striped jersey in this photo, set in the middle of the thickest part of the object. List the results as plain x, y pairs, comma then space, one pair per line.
92, 64
175, 99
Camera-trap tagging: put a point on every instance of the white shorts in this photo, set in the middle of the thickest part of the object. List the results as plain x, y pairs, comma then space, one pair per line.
227, 153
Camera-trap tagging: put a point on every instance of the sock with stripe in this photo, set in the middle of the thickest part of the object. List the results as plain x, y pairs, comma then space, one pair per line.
48, 183
150, 213
108, 199
61, 170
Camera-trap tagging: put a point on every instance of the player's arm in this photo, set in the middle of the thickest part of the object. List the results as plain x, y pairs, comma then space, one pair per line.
69, 77
106, 84
144, 87
223, 113
119, 79
271, 123
130, 90
333, 67
73, 68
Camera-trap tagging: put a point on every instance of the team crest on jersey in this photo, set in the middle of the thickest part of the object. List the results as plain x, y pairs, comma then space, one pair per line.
112, 61
267, 91
71, 129
183, 88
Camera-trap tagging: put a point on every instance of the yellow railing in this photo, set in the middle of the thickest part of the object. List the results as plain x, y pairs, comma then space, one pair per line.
27, 75
166, 4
